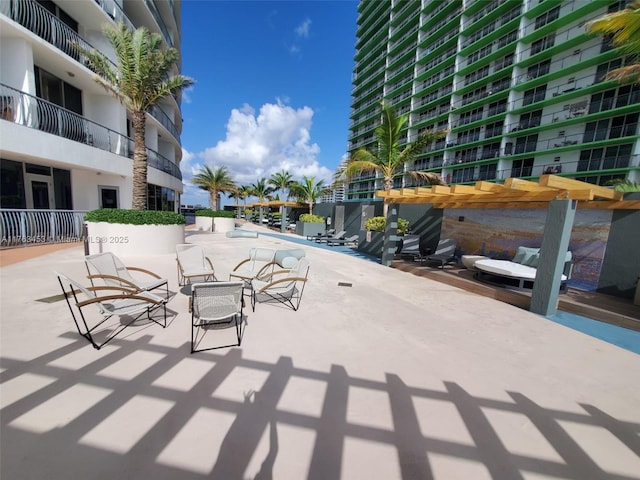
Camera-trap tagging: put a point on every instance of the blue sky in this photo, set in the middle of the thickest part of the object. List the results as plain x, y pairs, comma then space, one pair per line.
273, 87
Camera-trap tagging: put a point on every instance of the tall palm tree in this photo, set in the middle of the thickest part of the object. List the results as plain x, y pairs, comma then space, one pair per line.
390, 157
241, 193
282, 181
308, 191
140, 79
214, 181
623, 27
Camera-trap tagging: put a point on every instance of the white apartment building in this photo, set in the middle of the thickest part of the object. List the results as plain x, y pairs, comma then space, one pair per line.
65, 142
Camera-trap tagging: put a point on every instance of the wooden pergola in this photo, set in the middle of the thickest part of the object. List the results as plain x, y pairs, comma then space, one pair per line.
561, 197
513, 193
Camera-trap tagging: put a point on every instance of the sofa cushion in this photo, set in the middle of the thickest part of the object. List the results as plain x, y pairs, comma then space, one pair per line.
524, 254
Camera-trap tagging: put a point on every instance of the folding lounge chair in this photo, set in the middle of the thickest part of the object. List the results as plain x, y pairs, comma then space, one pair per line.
249, 268
112, 271
215, 306
192, 262
117, 301
353, 239
445, 252
411, 246
281, 286
336, 236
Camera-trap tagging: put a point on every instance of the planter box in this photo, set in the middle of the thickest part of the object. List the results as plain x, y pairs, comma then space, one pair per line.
133, 240
308, 228
223, 224
371, 243
204, 224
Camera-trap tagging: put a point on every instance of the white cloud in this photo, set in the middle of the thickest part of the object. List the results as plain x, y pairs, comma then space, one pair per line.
303, 29
259, 144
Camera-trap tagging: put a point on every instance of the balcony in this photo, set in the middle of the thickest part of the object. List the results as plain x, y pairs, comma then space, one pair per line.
37, 113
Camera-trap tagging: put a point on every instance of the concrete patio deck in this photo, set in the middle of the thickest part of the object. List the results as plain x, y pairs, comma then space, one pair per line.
393, 377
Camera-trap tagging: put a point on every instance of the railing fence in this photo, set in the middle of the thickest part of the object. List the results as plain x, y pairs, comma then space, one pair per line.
20, 227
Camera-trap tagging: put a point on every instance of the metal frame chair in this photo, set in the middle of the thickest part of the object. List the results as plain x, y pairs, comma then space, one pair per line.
113, 271
125, 303
215, 304
281, 285
192, 262
250, 268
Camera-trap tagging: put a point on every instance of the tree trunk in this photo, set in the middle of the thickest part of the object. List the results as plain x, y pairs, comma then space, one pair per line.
310, 208
213, 200
139, 201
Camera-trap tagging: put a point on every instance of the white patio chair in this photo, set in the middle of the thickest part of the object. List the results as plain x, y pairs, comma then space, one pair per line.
113, 301
249, 268
281, 286
113, 271
192, 262
214, 306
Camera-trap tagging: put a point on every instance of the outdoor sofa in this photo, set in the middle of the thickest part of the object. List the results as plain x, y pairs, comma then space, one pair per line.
520, 271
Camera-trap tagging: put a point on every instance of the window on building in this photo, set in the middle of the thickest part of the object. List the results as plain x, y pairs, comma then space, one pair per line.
487, 172
526, 144
493, 129
542, 44
616, 127
62, 189
547, 17
12, 185
617, 156
522, 168
539, 69
497, 107
108, 196
531, 119
534, 95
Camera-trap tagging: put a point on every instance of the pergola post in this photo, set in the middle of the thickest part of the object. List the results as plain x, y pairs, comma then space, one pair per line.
283, 218
390, 242
555, 242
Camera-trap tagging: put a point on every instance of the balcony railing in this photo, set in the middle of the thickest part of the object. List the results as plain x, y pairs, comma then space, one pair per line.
44, 24
40, 114
30, 227
50, 28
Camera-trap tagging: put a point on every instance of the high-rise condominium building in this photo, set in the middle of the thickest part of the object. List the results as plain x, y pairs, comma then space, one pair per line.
519, 85
65, 142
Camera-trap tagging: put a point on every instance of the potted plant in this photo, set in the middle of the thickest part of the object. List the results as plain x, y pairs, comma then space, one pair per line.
215, 220
133, 232
310, 225
371, 242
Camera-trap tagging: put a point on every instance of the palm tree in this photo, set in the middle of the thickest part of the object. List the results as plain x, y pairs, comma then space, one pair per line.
308, 191
140, 79
241, 193
262, 191
214, 181
623, 27
282, 181
390, 156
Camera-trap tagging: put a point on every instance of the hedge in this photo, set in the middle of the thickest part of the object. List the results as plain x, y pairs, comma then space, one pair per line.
134, 217
207, 212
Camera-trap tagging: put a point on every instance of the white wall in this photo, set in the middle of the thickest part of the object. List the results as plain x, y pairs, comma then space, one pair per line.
16, 69
86, 195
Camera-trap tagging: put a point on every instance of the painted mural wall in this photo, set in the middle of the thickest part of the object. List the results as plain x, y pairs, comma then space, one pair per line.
498, 233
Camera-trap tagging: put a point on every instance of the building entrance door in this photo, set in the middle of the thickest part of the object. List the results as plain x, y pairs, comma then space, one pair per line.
39, 191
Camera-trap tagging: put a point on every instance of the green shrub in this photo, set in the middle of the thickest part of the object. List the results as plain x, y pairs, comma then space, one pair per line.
207, 212
378, 224
310, 218
134, 217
